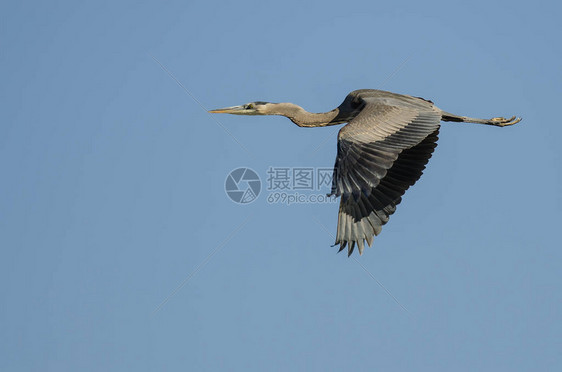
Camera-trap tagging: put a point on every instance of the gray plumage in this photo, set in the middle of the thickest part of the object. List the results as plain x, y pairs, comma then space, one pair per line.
381, 152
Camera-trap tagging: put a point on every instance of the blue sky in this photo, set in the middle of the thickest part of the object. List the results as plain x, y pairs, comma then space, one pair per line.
122, 251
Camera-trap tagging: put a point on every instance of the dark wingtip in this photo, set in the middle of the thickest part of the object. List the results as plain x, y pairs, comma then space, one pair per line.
342, 246
350, 248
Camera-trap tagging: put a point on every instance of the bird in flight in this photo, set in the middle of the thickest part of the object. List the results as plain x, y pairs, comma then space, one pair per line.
382, 151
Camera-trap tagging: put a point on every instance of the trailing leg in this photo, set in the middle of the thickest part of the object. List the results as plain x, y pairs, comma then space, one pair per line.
499, 122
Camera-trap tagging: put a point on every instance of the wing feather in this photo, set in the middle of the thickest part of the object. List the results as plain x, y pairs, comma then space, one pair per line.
381, 153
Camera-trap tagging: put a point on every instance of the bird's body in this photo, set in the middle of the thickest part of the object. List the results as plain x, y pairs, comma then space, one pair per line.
381, 152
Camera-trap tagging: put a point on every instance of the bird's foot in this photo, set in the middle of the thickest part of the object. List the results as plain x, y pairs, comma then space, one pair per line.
503, 122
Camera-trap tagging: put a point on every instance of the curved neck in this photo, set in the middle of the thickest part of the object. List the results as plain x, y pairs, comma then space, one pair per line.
303, 118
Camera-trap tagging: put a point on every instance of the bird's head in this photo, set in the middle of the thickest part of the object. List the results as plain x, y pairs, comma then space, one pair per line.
252, 108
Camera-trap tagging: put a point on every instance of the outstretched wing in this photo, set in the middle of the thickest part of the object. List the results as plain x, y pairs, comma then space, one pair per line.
381, 153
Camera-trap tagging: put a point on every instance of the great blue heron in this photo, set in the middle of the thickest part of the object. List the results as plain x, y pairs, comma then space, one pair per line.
381, 152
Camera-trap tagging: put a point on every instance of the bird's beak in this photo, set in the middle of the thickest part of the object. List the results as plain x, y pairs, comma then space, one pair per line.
236, 110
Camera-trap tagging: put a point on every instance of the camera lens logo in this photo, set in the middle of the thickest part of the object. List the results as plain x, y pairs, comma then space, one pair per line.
242, 185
